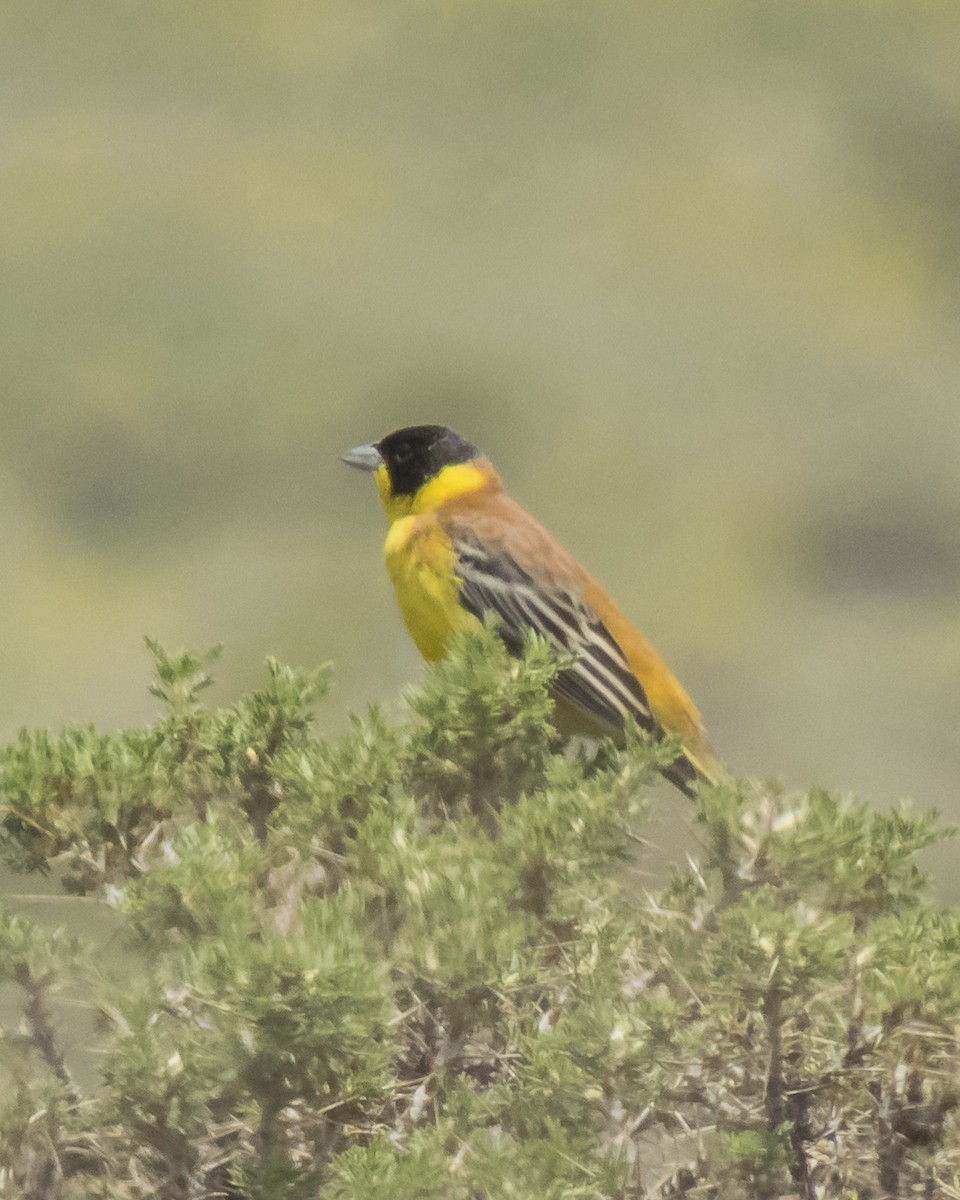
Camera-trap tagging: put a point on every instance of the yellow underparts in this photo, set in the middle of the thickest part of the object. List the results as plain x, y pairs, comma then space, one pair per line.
420, 559
420, 563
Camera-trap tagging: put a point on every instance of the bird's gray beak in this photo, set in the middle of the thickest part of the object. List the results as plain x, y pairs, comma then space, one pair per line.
364, 458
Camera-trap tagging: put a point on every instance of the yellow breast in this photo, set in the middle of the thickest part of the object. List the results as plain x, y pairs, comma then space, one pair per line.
420, 562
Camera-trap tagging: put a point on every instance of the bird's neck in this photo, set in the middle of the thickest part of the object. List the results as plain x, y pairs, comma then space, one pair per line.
449, 483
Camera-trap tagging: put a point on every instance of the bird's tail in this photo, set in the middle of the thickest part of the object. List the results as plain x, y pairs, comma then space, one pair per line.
694, 767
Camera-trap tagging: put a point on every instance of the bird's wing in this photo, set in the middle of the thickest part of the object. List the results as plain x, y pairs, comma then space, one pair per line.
599, 682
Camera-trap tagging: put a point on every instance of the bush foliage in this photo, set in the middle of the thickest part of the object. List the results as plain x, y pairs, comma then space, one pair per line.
417, 961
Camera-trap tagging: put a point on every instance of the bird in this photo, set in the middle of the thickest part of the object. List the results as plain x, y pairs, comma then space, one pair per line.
458, 547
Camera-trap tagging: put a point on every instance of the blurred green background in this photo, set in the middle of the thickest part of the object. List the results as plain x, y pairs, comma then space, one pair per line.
689, 273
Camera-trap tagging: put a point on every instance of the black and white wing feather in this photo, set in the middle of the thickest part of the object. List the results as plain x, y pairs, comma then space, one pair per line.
600, 682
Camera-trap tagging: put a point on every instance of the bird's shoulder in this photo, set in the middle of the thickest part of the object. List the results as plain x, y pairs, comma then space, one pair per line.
501, 528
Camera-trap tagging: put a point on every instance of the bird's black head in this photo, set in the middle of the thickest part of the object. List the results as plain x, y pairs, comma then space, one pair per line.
414, 455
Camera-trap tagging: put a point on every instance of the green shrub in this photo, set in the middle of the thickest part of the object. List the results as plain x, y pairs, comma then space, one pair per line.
416, 962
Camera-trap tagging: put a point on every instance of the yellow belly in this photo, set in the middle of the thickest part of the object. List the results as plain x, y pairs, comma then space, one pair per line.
420, 563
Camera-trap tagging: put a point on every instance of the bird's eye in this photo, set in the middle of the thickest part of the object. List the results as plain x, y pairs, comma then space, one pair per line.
402, 454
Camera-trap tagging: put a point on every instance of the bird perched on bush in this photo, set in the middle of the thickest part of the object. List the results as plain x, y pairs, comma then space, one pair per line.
458, 547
